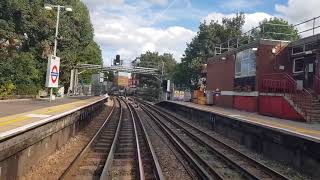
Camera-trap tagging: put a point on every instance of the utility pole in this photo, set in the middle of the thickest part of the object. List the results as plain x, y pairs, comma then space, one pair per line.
49, 7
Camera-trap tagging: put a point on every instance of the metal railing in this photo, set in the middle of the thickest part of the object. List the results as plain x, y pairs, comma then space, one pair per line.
284, 84
261, 32
316, 84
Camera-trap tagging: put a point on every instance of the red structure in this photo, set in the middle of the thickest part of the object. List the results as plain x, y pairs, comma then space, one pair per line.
133, 81
271, 77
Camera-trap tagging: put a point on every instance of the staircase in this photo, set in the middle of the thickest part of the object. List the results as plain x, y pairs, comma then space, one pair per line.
314, 110
304, 101
307, 106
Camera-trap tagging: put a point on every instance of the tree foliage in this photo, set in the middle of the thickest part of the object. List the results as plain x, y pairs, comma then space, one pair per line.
202, 46
164, 62
276, 28
27, 38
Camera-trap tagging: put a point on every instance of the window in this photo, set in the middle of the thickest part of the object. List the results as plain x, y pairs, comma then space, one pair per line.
311, 46
297, 49
245, 63
298, 65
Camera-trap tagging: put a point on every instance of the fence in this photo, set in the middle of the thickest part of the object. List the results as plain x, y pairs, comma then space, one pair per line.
277, 32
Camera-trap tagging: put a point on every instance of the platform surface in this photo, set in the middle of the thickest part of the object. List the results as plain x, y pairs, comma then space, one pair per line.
14, 114
301, 129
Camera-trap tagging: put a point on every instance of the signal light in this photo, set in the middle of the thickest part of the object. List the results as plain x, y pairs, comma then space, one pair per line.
117, 61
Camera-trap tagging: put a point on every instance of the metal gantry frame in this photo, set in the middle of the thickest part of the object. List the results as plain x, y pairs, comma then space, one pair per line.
129, 69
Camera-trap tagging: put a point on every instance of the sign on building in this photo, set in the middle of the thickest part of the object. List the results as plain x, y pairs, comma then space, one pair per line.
101, 77
53, 68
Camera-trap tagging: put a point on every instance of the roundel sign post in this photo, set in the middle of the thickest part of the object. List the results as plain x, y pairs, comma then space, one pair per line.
52, 78
54, 74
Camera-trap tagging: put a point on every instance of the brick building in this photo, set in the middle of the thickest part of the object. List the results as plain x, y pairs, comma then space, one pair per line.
272, 77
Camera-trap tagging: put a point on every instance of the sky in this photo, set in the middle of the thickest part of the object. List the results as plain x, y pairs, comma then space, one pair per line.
132, 27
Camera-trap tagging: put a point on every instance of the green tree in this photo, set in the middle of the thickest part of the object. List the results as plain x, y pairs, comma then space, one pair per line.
203, 46
164, 62
276, 28
27, 38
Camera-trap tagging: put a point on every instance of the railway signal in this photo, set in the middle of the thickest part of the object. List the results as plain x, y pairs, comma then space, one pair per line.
117, 61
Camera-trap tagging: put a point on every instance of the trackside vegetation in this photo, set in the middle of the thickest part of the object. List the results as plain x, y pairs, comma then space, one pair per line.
27, 39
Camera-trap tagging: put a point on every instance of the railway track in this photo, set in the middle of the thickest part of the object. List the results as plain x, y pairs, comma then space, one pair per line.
210, 157
150, 163
132, 155
89, 163
119, 150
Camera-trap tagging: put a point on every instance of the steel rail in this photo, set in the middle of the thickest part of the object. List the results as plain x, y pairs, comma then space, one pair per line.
202, 168
67, 172
157, 169
108, 163
140, 165
267, 170
227, 160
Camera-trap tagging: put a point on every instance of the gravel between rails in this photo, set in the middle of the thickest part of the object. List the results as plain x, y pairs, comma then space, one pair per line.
283, 168
220, 166
170, 160
54, 165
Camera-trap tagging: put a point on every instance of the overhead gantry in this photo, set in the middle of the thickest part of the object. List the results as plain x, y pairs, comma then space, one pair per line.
80, 68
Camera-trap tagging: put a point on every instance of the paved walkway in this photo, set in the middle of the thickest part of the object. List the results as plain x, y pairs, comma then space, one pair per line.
20, 113
310, 131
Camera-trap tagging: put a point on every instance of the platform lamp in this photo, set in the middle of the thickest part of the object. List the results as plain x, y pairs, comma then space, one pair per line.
50, 7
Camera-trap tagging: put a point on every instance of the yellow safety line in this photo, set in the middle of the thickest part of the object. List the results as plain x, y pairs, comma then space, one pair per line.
265, 122
23, 116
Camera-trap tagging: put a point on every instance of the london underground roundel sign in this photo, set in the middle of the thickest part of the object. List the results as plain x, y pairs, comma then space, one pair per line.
54, 74
52, 78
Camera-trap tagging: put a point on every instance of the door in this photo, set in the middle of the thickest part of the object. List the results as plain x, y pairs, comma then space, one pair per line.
309, 72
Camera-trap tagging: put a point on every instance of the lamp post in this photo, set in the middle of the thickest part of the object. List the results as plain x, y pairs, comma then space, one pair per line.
50, 7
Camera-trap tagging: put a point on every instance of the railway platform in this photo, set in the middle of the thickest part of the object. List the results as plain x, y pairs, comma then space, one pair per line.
300, 129
16, 114
31, 130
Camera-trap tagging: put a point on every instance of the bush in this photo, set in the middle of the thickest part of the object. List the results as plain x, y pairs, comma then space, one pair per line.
26, 90
7, 89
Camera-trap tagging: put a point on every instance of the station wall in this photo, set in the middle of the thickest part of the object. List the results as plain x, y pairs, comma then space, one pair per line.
277, 106
245, 103
220, 74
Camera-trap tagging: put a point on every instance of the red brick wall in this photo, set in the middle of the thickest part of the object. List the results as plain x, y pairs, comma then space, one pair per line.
268, 63
223, 101
220, 74
277, 106
265, 62
245, 103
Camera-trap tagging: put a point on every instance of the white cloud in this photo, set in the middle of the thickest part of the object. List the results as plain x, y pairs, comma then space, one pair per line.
251, 20
299, 10
296, 11
126, 30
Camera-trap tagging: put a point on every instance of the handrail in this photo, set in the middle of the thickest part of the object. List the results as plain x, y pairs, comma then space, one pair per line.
235, 42
316, 84
284, 83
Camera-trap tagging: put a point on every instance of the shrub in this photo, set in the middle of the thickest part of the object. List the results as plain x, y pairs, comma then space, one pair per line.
7, 89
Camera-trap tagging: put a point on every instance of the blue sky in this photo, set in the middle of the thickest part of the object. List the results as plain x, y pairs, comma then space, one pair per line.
132, 27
